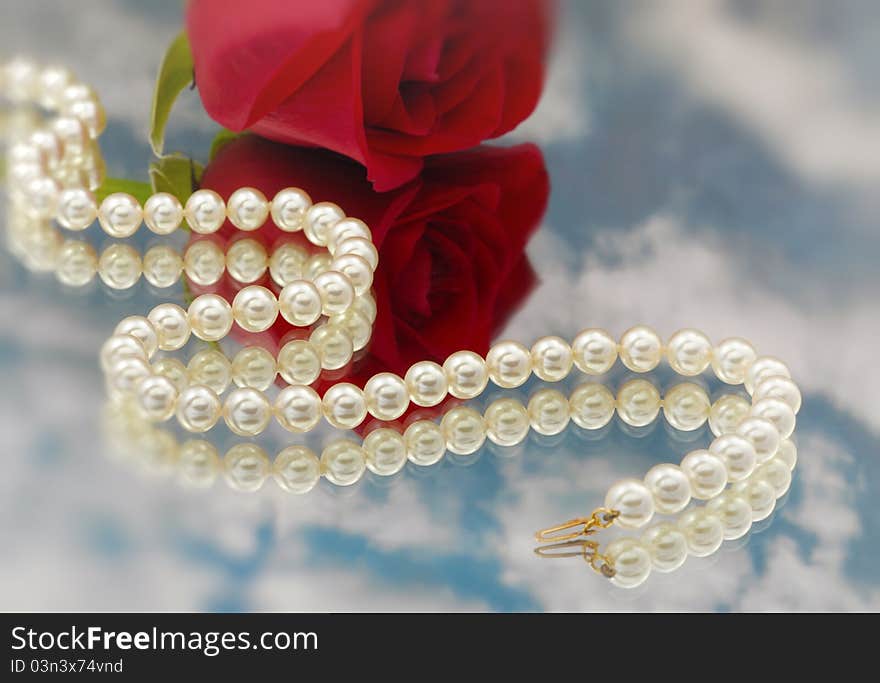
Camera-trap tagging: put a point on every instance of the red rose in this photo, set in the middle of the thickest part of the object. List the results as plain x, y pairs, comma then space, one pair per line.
383, 82
451, 242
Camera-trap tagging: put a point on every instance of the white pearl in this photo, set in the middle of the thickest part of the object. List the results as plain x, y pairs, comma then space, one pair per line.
162, 266
174, 370
640, 349
317, 264
52, 82
246, 467
734, 512
763, 436
157, 398
727, 413
336, 290
366, 306
631, 561
686, 406
205, 211
210, 368
779, 387
670, 487
298, 408
344, 405
287, 262
738, 455
172, 326
509, 364
49, 146
548, 412
386, 452
254, 366
125, 373
638, 402
120, 214
707, 473
204, 262
334, 346
356, 326
551, 359
119, 266
507, 422
20, 80
343, 462
356, 268
255, 308
777, 473
300, 303
198, 464
246, 260
141, 329
386, 396
760, 494
299, 362
689, 352
703, 531
594, 351
787, 453
633, 500
247, 411
344, 229
426, 383
320, 218
667, 546
762, 368
210, 317
289, 208
466, 374
425, 443
77, 263
591, 405
247, 208
296, 469
90, 112
778, 412
77, 208
731, 360
361, 247
163, 213
464, 430
73, 136
198, 408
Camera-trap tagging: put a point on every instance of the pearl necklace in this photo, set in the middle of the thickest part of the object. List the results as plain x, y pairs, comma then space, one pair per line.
53, 174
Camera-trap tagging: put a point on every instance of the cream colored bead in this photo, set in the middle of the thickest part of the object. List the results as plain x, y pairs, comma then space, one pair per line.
631, 561
204, 262
125, 373
52, 81
360, 247
386, 452
41, 194
141, 329
638, 402
734, 512
344, 405
787, 453
425, 443
317, 264
205, 211
464, 430
466, 374
246, 467
356, 326
507, 422
763, 436
760, 494
297, 408
509, 364
20, 80
778, 412
296, 469
706, 472
77, 263
49, 146
667, 545
163, 213
198, 408
777, 473
640, 349
300, 303
548, 412
334, 346
162, 266
343, 462
386, 396
703, 531
198, 463
299, 362
172, 369
119, 266
210, 368
156, 397
247, 411
356, 269
366, 306
731, 360
727, 413
120, 346
762, 368
247, 208
254, 366
670, 487
686, 406
551, 359
246, 260
345, 229
73, 136
77, 208
594, 351
287, 262
779, 387
689, 352
210, 317
289, 208
90, 112
738, 455
633, 500
172, 326
320, 218
120, 214
255, 308
426, 383
591, 405
336, 290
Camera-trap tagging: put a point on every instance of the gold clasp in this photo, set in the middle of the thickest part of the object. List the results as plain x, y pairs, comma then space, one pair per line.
601, 518
570, 544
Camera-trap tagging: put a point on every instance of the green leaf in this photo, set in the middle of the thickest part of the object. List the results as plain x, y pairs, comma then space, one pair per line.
138, 189
223, 138
175, 73
176, 174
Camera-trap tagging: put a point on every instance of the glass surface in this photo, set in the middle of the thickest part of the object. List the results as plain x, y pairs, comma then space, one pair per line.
713, 165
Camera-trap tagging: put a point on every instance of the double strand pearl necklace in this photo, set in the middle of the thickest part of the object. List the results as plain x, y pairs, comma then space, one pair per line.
53, 174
